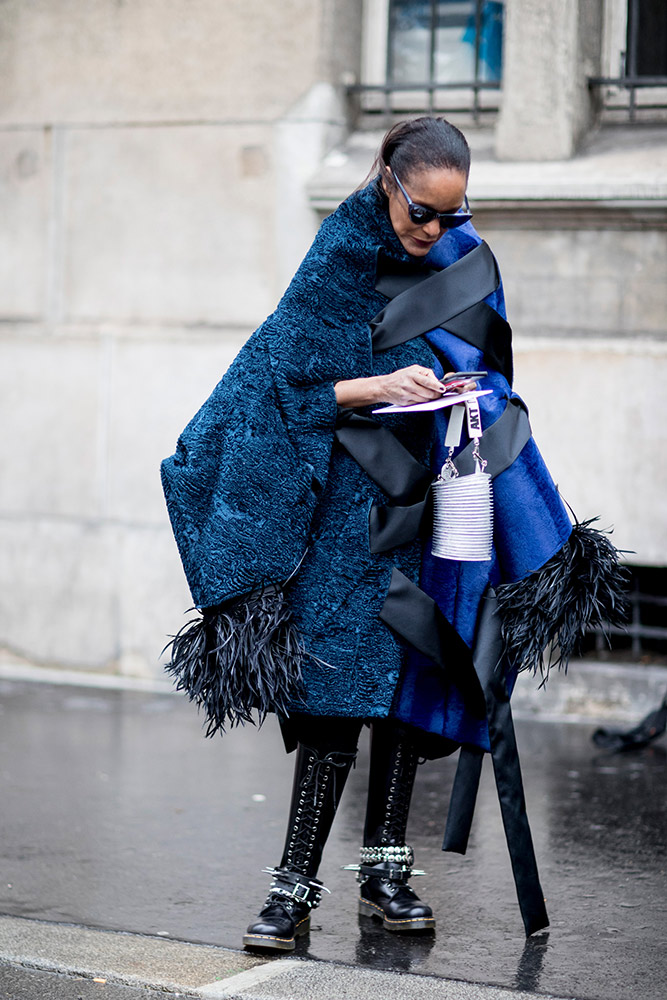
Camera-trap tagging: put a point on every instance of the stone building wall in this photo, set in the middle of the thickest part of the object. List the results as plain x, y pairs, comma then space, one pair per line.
163, 166
152, 207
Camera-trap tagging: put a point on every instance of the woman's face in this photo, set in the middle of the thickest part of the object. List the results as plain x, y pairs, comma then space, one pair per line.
438, 188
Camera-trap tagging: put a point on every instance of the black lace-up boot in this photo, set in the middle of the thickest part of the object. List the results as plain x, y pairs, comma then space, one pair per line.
319, 780
386, 860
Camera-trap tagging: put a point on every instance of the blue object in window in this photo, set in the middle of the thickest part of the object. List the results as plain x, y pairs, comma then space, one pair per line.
436, 41
490, 39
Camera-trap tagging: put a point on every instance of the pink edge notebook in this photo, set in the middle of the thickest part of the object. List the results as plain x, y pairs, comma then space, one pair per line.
449, 399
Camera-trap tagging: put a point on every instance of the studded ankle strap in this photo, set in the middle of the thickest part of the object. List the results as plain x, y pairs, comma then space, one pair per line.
394, 853
392, 862
296, 887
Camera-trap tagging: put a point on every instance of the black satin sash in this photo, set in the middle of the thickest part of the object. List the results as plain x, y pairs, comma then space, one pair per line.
489, 667
382, 456
415, 616
420, 302
391, 466
483, 327
501, 443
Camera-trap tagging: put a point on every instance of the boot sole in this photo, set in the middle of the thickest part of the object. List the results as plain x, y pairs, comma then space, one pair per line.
368, 909
270, 942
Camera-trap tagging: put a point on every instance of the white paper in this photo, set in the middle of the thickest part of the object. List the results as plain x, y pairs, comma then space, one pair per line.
449, 399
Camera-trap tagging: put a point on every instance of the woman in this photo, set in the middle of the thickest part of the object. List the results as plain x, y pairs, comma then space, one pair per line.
303, 521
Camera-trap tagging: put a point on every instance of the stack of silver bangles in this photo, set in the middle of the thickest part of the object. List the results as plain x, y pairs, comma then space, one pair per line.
400, 854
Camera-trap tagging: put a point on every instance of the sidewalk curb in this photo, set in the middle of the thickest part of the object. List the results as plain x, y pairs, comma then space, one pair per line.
151, 963
120, 956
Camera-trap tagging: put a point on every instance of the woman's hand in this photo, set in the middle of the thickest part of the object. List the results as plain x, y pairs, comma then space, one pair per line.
410, 385
415, 384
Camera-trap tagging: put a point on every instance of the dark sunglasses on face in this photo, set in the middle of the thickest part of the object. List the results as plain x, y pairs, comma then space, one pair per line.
421, 215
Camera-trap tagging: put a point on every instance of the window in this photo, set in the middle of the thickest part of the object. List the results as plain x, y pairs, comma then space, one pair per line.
432, 55
634, 60
647, 38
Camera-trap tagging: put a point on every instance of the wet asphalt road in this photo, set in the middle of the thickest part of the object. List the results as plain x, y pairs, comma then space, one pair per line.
17, 983
117, 813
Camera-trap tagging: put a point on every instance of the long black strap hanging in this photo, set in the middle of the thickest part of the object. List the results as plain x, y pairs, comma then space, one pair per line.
488, 662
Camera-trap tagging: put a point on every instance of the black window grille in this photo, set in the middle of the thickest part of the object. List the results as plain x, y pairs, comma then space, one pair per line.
436, 46
645, 638
644, 61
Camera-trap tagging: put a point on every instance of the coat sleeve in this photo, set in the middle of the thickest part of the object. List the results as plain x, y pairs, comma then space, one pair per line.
244, 482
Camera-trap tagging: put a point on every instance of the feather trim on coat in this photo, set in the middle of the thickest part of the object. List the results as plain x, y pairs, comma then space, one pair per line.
581, 587
241, 656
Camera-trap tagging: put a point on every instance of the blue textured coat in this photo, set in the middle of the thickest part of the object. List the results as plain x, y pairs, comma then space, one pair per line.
259, 486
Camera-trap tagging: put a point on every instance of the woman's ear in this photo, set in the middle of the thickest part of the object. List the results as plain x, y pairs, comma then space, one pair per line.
385, 186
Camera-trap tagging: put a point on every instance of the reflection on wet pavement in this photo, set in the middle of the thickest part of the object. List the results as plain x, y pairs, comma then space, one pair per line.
117, 813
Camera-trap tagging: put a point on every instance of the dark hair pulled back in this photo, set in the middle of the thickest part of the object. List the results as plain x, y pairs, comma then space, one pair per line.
423, 144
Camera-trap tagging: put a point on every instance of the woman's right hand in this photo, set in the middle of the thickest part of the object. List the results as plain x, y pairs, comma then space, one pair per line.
415, 384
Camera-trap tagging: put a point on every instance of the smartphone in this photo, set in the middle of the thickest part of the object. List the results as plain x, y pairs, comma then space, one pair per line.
460, 378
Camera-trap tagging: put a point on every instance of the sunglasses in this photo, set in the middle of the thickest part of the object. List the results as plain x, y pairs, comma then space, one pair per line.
421, 215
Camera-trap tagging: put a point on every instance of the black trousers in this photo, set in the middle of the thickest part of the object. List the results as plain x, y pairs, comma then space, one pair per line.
393, 765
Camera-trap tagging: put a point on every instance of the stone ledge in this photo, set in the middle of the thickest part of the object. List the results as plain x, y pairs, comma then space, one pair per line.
590, 691
619, 171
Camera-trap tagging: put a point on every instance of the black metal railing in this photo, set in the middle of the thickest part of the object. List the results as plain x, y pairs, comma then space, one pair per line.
644, 634
426, 104
632, 84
